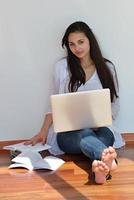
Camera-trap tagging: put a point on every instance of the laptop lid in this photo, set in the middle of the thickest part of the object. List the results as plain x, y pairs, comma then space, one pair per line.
78, 110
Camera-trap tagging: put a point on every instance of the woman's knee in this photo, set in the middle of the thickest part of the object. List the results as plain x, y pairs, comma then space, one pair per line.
106, 136
82, 143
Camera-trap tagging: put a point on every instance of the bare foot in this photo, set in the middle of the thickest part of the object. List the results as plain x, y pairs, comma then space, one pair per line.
101, 170
108, 157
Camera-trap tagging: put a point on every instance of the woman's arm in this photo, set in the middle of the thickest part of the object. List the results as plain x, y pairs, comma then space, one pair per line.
42, 135
58, 72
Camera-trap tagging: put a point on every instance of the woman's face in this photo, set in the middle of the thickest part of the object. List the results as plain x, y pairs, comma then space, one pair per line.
79, 44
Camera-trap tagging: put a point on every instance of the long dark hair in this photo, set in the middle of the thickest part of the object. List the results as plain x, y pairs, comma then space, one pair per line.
77, 74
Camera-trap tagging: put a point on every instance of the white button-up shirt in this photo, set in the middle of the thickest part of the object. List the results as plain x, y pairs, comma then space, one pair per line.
60, 85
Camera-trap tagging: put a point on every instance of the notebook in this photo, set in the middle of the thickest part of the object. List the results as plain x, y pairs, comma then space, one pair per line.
78, 110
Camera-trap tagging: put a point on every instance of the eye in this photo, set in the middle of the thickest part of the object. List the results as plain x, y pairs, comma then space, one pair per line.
81, 41
71, 44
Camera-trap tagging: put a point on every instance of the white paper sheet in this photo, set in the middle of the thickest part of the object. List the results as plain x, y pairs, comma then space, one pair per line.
33, 160
21, 147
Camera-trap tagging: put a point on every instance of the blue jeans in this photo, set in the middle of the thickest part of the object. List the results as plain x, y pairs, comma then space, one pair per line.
87, 141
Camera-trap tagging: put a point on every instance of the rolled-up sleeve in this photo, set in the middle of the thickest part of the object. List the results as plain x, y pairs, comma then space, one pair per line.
59, 74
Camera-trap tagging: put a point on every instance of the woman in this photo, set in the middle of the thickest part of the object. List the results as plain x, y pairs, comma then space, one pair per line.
84, 68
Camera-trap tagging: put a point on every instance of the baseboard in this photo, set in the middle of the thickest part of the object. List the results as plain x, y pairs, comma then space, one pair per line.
128, 137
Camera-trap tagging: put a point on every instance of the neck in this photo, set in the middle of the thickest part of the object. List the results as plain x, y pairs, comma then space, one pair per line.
86, 62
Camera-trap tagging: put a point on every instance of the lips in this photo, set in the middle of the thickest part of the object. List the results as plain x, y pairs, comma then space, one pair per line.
78, 53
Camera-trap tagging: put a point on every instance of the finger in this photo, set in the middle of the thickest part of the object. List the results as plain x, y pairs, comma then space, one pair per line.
27, 142
34, 143
44, 141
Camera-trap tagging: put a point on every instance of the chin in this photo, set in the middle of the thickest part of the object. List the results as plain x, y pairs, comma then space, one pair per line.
79, 56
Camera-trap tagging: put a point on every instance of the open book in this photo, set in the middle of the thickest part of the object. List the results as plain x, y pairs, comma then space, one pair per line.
33, 160
22, 147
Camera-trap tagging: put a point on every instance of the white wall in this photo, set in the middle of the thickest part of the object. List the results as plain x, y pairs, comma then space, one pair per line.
30, 39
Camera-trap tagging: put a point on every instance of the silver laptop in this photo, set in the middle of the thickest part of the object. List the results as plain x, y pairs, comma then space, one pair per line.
78, 110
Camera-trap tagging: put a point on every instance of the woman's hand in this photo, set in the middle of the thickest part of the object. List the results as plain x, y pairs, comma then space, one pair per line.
40, 137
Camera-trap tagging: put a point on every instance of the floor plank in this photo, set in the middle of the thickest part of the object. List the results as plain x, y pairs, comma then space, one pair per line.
72, 181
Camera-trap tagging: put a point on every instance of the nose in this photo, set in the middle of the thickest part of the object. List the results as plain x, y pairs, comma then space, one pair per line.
77, 48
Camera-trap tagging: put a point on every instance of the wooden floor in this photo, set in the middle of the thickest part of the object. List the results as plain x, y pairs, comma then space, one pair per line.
72, 181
